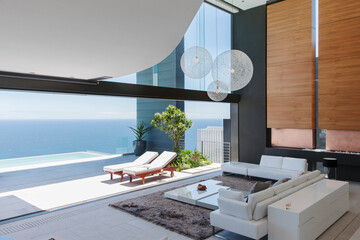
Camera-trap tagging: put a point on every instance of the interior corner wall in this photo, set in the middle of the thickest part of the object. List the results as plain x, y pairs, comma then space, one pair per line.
249, 36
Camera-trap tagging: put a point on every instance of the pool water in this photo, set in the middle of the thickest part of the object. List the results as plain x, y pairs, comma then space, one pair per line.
17, 162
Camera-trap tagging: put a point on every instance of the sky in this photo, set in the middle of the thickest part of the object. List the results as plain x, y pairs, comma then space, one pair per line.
210, 28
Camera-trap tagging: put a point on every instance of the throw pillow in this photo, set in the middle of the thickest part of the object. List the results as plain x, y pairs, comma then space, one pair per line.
259, 186
281, 181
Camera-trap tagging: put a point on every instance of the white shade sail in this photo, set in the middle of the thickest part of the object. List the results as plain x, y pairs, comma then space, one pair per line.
90, 38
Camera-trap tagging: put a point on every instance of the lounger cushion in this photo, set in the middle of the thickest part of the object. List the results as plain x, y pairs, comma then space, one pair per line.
159, 163
145, 158
140, 169
119, 167
163, 160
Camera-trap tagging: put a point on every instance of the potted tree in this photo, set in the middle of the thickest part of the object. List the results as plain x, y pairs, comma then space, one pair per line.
140, 132
174, 123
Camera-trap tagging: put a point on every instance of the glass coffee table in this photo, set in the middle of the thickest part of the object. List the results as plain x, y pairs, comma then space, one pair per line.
191, 195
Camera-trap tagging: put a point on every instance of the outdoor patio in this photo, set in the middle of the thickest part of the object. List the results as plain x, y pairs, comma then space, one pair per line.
29, 191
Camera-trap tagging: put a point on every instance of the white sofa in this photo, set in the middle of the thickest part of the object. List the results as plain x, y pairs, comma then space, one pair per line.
250, 218
270, 167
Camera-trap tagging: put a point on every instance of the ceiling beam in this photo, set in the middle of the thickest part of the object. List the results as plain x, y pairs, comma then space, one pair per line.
107, 89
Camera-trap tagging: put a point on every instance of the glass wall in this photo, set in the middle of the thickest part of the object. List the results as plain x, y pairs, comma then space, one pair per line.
33, 123
37, 124
210, 29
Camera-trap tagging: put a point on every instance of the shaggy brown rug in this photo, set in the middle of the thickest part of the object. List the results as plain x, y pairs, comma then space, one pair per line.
188, 220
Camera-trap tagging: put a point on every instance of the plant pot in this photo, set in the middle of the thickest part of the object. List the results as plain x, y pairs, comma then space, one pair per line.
139, 147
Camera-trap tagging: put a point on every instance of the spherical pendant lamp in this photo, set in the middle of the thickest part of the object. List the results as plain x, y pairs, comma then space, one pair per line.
217, 91
234, 68
196, 62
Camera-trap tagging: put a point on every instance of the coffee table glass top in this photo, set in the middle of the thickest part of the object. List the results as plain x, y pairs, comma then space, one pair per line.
190, 194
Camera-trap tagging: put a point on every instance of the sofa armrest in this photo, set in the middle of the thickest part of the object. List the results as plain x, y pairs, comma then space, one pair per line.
235, 208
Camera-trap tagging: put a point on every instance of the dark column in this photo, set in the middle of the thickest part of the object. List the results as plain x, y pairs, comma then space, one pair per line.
249, 36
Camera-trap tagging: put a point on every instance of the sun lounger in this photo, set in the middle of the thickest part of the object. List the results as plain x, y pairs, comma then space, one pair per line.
159, 165
117, 169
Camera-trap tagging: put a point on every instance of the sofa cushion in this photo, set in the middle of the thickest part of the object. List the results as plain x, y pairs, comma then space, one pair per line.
294, 164
271, 173
230, 194
316, 179
260, 210
235, 208
287, 192
283, 180
255, 198
271, 161
313, 174
234, 167
303, 185
282, 187
252, 229
298, 180
259, 186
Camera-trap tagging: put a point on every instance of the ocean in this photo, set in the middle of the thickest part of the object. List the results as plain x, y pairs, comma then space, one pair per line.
26, 138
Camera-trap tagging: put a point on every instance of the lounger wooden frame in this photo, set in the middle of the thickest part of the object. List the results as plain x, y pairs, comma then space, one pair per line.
120, 173
143, 175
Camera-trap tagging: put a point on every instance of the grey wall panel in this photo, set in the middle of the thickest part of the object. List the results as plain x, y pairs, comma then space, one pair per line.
249, 36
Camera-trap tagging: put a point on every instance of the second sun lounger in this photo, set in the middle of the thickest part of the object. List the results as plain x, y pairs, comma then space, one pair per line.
160, 164
117, 169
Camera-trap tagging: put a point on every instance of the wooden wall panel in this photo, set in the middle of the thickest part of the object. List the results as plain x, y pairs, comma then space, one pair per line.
291, 80
339, 65
339, 39
339, 75
290, 65
333, 11
288, 16
290, 111
290, 47
339, 111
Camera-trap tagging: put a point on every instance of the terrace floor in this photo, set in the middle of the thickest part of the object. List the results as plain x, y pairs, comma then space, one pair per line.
96, 220
54, 188
31, 190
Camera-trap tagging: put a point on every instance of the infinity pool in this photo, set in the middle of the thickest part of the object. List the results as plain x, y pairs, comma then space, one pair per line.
17, 162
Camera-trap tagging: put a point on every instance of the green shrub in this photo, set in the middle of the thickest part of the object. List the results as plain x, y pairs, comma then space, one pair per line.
190, 159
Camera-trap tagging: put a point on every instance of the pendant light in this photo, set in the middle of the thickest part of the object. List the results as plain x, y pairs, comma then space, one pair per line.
196, 62
233, 67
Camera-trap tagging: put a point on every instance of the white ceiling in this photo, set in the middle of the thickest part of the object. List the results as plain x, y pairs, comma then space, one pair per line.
90, 38
223, 5
246, 4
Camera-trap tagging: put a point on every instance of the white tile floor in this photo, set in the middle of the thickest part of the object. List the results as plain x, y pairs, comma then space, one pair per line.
96, 220
54, 187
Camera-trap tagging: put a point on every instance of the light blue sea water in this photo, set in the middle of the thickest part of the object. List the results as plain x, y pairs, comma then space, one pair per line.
26, 138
